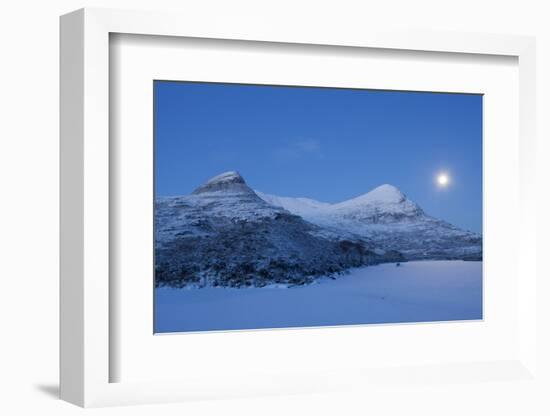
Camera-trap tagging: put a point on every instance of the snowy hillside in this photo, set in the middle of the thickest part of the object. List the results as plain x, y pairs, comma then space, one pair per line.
303, 207
390, 221
224, 234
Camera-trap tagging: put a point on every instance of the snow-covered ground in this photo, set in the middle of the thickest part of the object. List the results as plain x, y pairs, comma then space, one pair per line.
417, 291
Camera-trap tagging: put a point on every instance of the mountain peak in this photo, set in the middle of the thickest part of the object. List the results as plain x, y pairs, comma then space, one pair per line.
230, 181
231, 176
385, 193
384, 204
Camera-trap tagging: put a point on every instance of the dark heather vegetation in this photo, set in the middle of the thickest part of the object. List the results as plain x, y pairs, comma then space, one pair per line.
283, 249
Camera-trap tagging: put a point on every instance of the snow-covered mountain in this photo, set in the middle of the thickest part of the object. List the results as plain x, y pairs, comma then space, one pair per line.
225, 234
385, 204
390, 221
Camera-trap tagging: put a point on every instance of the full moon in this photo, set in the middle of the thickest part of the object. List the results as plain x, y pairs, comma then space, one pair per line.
442, 179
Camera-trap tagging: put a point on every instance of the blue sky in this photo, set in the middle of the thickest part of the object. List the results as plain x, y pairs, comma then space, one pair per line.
323, 143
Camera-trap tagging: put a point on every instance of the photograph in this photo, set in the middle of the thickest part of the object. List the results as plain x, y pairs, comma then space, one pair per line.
279, 206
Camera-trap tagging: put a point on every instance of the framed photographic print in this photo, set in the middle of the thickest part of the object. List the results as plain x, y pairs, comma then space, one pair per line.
229, 256
311, 203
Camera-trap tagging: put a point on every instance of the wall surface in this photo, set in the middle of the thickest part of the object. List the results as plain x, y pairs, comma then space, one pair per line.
29, 208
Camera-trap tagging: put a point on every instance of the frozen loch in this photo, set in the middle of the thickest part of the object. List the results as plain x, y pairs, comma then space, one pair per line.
415, 291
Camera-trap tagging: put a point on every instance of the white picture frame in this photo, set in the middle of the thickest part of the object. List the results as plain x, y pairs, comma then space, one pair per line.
86, 331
